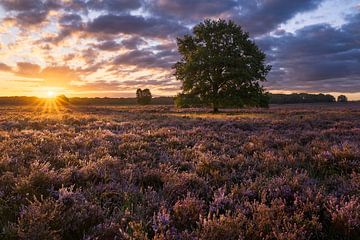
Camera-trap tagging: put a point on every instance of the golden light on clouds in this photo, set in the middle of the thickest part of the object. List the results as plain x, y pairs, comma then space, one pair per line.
111, 48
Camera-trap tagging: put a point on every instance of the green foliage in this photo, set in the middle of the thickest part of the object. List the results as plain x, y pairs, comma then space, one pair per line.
221, 65
183, 100
143, 96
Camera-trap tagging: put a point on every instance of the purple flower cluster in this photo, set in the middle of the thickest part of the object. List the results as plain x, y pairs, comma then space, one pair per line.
290, 172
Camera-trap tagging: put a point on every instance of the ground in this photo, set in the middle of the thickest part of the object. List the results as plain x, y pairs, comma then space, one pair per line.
156, 172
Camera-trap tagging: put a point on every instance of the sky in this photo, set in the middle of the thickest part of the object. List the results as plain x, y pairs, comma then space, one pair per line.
98, 48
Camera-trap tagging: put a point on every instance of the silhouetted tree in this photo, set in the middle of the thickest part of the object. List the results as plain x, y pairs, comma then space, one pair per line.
342, 98
300, 98
143, 97
221, 65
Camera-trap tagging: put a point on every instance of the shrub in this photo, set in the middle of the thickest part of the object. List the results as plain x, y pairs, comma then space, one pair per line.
186, 213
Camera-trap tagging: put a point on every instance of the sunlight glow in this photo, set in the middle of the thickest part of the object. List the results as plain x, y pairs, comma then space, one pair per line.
50, 94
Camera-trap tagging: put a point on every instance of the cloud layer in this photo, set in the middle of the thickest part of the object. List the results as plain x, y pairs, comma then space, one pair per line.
103, 45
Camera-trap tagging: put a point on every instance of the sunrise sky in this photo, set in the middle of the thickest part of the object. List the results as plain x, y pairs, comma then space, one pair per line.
112, 47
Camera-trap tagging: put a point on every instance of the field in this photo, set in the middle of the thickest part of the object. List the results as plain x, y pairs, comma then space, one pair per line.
288, 172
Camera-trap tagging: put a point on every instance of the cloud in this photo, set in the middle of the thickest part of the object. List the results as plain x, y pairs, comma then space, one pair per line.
114, 6
50, 76
5, 68
25, 69
99, 85
26, 13
316, 57
135, 25
147, 58
259, 17
59, 75
133, 42
135, 37
110, 45
195, 10
149, 82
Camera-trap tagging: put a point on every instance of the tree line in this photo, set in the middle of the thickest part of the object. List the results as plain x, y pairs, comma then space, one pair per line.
180, 101
187, 100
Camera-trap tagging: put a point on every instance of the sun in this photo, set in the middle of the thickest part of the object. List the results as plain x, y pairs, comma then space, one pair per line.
50, 94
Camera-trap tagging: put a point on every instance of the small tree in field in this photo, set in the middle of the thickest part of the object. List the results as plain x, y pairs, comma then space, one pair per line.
342, 98
143, 97
221, 65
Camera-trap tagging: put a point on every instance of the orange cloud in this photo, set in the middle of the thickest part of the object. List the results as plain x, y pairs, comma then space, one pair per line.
52, 76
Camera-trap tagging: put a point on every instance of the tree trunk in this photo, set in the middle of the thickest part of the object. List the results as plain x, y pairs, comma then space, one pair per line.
215, 107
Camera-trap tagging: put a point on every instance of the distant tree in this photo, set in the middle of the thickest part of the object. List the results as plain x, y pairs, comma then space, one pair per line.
221, 64
143, 97
300, 98
342, 98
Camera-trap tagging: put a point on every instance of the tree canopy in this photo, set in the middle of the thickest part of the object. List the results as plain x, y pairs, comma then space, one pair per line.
143, 96
342, 98
221, 65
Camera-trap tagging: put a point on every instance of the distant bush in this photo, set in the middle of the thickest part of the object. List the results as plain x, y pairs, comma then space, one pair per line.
342, 98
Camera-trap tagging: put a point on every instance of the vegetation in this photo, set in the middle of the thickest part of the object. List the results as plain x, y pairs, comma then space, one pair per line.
181, 100
300, 98
342, 98
143, 97
289, 172
221, 65
17, 101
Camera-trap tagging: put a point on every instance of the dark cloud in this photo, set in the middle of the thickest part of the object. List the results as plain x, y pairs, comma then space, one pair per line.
90, 55
25, 12
259, 17
133, 42
194, 10
135, 25
110, 45
114, 6
147, 59
316, 57
21, 5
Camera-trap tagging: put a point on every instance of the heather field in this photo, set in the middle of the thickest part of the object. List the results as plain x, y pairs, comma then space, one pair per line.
156, 172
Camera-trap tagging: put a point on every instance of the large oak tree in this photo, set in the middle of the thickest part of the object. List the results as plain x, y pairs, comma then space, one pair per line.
221, 65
